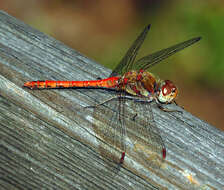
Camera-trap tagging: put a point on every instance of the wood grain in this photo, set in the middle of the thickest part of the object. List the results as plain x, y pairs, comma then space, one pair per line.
47, 140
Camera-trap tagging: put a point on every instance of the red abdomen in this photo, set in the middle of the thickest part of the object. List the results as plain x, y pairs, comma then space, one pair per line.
111, 82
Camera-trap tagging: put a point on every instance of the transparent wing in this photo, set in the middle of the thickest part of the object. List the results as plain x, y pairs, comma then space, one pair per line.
154, 58
148, 147
127, 125
128, 60
109, 125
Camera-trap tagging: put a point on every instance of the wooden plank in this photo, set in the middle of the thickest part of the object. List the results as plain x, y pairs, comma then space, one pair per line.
48, 140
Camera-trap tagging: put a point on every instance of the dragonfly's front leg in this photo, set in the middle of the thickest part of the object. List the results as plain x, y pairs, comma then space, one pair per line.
167, 110
178, 104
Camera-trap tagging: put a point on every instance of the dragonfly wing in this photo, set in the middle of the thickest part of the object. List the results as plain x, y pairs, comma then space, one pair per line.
148, 144
110, 128
127, 61
154, 58
127, 125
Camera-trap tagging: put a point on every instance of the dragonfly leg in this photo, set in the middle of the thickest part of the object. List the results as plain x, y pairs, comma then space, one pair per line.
167, 110
178, 104
134, 117
101, 103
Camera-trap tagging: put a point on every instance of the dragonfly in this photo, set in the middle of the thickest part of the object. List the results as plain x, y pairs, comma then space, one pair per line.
136, 89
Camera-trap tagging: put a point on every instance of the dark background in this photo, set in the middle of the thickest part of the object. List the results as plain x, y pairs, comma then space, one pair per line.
103, 30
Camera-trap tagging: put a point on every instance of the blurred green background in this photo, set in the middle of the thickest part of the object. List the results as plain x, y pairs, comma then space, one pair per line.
103, 30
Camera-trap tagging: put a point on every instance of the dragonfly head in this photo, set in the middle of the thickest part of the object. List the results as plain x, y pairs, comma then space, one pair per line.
168, 92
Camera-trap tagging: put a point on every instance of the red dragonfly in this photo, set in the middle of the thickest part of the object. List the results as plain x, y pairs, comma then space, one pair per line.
137, 89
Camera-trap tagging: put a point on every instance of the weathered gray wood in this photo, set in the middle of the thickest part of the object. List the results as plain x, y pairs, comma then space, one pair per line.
47, 140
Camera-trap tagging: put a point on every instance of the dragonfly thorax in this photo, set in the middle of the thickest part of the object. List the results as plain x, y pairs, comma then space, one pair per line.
139, 83
144, 84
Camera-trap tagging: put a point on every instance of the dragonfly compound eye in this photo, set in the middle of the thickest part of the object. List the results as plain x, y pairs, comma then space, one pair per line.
168, 92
